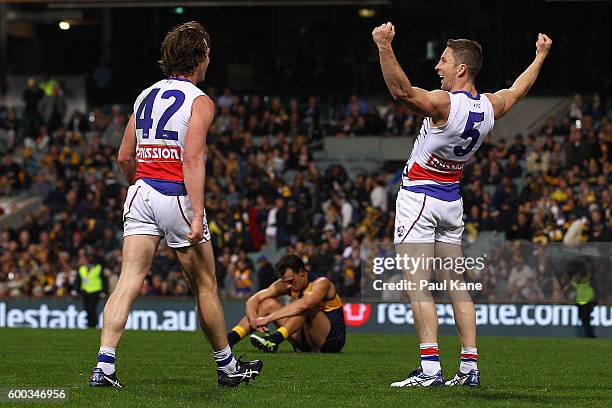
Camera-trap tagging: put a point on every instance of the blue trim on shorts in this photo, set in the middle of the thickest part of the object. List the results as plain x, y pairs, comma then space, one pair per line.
444, 192
166, 187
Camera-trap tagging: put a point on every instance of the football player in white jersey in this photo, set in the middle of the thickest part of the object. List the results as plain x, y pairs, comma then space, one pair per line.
429, 209
162, 158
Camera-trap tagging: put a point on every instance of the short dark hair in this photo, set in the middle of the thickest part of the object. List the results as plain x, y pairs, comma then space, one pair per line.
184, 48
467, 52
290, 261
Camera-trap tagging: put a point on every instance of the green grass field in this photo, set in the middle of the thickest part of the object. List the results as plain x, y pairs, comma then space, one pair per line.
176, 369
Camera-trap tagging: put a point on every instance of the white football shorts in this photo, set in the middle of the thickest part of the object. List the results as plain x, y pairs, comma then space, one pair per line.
421, 219
148, 212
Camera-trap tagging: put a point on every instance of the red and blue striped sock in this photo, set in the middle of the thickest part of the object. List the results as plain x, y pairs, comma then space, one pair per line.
469, 359
430, 358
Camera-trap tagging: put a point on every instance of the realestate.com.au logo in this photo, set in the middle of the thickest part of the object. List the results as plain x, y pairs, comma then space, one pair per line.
356, 314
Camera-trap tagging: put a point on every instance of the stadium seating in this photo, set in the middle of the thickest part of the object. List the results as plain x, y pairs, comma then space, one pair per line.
70, 166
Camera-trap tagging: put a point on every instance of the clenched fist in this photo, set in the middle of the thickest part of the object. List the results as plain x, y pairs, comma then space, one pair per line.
543, 44
383, 34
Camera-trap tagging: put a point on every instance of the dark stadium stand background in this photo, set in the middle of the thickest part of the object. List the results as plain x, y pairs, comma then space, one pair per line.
313, 48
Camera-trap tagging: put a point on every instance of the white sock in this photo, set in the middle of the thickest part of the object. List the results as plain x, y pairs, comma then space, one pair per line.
225, 360
469, 359
106, 360
430, 358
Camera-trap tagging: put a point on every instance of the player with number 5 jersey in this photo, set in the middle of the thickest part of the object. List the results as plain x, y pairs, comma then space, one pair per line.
429, 209
162, 158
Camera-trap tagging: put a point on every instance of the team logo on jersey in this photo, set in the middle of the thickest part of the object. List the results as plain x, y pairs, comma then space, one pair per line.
441, 164
158, 153
400, 230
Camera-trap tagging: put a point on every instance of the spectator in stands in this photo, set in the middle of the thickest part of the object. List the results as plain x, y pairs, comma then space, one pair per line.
226, 101
522, 276
575, 110
350, 279
31, 98
243, 280
356, 106
513, 168
265, 273
517, 148
378, 197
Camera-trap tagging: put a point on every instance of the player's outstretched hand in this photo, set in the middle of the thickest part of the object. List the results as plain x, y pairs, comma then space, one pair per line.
197, 231
543, 45
383, 34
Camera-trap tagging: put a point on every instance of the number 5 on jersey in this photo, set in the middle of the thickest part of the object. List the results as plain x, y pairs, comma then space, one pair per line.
144, 114
470, 133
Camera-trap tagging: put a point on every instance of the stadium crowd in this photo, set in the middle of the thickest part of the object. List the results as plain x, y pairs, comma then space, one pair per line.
264, 190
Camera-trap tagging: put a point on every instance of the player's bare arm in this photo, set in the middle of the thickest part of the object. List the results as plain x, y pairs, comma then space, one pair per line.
275, 290
202, 115
126, 158
435, 104
505, 99
320, 288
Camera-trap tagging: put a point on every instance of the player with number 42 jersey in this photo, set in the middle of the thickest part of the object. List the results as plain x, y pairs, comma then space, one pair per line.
162, 158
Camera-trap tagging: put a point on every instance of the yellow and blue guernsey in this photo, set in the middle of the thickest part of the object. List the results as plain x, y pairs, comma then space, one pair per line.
333, 310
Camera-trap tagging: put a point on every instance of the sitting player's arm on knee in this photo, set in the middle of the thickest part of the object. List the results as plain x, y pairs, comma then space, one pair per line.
126, 158
273, 291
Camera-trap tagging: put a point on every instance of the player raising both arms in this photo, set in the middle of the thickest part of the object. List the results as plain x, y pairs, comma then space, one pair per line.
162, 157
313, 321
429, 209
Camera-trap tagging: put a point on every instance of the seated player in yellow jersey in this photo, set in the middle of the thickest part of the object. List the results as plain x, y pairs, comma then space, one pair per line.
312, 322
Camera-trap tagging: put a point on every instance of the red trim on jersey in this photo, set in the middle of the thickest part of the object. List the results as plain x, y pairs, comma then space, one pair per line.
417, 172
160, 171
159, 162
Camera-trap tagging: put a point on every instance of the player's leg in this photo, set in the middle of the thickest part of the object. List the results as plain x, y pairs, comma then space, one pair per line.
198, 265
138, 252
325, 332
584, 313
415, 225
463, 306
448, 246
173, 213
418, 274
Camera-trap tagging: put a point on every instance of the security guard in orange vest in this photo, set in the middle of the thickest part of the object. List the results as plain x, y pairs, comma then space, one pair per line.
92, 284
